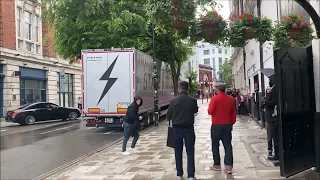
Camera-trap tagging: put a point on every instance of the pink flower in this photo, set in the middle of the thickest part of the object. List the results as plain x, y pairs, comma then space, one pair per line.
294, 26
212, 22
301, 16
207, 22
288, 18
303, 24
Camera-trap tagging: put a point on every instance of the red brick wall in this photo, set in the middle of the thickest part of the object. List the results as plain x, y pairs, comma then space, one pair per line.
48, 36
7, 24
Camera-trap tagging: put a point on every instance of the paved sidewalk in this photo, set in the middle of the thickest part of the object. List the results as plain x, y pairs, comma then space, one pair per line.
156, 161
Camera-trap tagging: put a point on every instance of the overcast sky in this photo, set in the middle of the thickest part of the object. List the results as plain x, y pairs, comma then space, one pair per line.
225, 11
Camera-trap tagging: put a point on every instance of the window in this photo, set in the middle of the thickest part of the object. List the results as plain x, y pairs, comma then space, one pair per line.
220, 51
213, 51
37, 29
52, 106
28, 21
32, 91
66, 92
226, 51
19, 17
206, 52
213, 62
206, 61
220, 62
226, 59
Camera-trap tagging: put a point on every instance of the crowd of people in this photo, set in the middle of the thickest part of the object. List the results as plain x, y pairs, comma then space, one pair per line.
223, 109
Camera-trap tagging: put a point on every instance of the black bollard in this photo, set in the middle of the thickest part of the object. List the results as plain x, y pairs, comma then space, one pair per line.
202, 100
207, 99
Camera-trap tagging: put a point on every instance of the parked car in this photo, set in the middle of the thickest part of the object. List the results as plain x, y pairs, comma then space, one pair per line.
28, 114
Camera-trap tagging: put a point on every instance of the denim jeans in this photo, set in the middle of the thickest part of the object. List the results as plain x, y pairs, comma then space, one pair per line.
222, 132
127, 134
188, 136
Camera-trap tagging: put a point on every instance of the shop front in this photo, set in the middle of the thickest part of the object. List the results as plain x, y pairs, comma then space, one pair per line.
33, 85
205, 80
1, 90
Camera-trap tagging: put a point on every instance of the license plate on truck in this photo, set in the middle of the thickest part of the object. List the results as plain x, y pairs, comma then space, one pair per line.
108, 120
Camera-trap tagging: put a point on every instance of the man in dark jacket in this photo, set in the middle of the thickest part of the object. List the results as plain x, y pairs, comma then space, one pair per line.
271, 119
181, 111
131, 124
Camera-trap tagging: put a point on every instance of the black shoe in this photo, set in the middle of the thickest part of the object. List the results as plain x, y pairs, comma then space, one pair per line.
276, 163
270, 155
273, 158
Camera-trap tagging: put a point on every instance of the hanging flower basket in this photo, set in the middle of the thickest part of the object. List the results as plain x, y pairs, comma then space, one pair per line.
209, 32
177, 22
213, 27
293, 31
250, 33
246, 27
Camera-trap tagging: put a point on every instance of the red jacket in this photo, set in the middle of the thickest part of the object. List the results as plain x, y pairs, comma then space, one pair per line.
222, 109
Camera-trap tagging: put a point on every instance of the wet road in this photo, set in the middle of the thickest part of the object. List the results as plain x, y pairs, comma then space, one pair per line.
30, 151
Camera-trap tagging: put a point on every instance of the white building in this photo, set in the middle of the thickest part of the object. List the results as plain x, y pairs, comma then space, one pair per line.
247, 74
206, 54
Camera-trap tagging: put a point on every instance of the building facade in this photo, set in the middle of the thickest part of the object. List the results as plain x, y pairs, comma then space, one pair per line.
209, 55
29, 69
247, 73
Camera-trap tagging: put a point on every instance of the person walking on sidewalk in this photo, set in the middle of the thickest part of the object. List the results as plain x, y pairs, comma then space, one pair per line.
131, 124
223, 115
181, 111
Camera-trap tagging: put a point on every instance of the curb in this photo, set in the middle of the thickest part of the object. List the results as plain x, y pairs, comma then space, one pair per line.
78, 160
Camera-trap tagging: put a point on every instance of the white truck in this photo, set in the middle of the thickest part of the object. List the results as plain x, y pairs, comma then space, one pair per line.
112, 78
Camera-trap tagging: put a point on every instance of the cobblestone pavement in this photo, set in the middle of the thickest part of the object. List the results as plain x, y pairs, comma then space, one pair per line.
153, 160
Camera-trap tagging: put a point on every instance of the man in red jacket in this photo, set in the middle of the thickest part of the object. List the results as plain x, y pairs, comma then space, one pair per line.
223, 114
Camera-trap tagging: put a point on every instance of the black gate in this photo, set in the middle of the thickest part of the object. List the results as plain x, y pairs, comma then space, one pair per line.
294, 73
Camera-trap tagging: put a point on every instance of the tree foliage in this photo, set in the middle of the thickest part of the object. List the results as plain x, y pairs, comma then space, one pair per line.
103, 24
194, 80
225, 74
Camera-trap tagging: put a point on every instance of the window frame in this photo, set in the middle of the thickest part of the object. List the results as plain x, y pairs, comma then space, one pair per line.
220, 50
206, 52
28, 24
206, 59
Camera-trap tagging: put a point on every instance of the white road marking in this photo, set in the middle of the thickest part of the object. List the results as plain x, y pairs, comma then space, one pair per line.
109, 132
58, 129
2, 130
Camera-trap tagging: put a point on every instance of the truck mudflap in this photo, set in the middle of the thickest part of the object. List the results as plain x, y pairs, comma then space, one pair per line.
115, 122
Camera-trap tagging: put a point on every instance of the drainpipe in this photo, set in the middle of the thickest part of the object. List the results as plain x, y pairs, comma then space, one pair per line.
261, 51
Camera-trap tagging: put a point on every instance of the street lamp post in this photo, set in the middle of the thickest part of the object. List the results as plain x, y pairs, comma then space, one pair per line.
155, 80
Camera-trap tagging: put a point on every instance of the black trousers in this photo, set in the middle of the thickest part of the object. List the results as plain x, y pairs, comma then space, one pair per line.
272, 133
222, 132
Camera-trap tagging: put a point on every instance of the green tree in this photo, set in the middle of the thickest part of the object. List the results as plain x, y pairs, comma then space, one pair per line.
225, 74
194, 80
102, 24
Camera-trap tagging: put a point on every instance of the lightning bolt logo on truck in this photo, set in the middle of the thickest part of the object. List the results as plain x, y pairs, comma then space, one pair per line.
110, 81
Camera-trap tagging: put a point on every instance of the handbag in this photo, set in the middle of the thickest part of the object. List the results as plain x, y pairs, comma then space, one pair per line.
170, 137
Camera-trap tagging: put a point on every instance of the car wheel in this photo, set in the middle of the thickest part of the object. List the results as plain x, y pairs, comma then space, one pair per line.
73, 116
148, 120
29, 120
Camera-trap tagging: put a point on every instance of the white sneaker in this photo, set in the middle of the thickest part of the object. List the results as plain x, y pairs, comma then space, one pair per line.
134, 150
179, 177
126, 153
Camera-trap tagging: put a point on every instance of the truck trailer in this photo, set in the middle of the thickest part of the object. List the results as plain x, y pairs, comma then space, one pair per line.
112, 78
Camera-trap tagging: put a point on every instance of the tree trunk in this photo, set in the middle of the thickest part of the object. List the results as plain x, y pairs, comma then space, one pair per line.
175, 78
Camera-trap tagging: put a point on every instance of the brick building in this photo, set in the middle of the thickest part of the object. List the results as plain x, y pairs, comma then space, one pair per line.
29, 69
